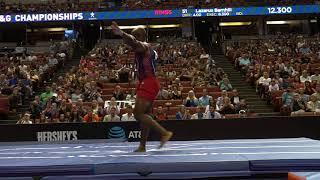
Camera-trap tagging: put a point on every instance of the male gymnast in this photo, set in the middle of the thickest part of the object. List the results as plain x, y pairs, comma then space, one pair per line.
148, 86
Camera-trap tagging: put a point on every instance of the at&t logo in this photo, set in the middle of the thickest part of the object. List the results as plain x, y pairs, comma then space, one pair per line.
117, 132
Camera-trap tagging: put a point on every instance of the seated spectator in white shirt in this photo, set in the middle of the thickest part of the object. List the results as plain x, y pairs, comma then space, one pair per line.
263, 84
132, 95
25, 119
129, 115
316, 76
113, 103
313, 105
163, 94
274, 86
212, 113
112, 117
305, 77
265, 79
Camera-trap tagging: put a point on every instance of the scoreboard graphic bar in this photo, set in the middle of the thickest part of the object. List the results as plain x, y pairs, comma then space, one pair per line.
152, 14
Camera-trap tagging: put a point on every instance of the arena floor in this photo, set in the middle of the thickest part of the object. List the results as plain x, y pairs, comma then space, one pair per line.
183, 159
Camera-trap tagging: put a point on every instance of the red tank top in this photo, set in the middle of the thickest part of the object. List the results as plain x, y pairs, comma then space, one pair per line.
146, 64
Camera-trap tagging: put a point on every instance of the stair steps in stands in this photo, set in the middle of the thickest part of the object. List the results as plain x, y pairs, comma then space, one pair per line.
74, 61
256, 104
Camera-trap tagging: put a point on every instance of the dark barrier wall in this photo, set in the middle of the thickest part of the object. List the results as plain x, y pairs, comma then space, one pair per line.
272, 127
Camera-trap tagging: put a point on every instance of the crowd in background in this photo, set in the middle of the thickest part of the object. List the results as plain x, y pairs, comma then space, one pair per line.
181, 67
23, 72
64, 100
289, 64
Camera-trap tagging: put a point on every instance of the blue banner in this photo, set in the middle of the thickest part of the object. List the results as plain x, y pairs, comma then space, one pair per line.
152, 14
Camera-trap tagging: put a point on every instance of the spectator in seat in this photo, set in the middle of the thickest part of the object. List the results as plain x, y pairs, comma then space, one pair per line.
177, 83
63, 107
62, 118
112, 117
227, 107
52, 61
212, 81
314, 85
51, 111
104, 76
220, 100
44, 97
75, 117
25, 119
91, 117
131, 96
305, 49
288, 69
212, 113
296, 83
81, 110
175, 93
42, 119
183, 113
160, 115
278, 80
220, 74
76, 95
298, 105
303, 96
35, 109
129, 115
225, 84
263, 84
205, 98
308, 89
235, 99
305, 76
14, 99
118, 94
316, 76
199, 114
68, 116
191, 100
3, 82
274, 86
124, 74
317, 92
287, 97
313, 105
113, 103
244, 63
163, 94
97, 109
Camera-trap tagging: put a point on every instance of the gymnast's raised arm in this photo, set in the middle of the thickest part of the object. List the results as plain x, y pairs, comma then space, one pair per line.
136, 41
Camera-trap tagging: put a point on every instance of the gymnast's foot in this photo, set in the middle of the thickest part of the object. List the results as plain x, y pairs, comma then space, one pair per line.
140, 149
165, 138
